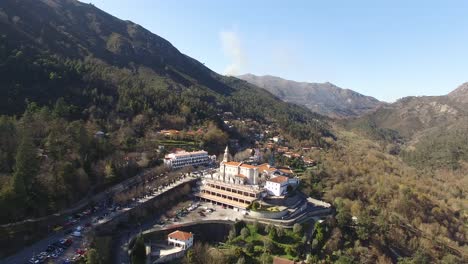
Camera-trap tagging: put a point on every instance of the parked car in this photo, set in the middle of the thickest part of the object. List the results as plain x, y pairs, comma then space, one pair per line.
57, 228
80, 251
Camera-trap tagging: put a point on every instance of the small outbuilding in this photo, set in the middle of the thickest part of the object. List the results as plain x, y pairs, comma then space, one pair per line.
180, 239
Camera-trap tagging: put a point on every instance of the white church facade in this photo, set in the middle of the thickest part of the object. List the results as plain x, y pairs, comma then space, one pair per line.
238, 184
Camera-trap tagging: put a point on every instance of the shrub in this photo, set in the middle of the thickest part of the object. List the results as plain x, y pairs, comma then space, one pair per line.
245, 232
297, 228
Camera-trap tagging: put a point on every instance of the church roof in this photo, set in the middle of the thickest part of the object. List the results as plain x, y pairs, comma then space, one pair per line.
279, 179
232, 163
248, 166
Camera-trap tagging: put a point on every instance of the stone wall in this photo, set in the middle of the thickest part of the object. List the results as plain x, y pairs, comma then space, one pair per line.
267, 214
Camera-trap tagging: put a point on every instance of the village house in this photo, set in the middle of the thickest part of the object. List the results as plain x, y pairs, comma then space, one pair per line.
309, 162
180, 239
169, 133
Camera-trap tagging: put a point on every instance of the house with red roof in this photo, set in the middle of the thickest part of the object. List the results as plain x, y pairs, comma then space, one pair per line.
277, 185
180, 239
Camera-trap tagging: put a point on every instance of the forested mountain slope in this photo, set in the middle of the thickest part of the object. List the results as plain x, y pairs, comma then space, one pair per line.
70, 70
324, 98
430, 130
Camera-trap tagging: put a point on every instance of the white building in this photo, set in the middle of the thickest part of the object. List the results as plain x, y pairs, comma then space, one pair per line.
180, 239
240, 173
238, 185
184, 159
277, 186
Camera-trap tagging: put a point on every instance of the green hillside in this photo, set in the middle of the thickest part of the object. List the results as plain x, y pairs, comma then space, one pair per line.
73, 70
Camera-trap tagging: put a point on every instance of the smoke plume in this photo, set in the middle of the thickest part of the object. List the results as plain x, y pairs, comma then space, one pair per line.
233, 50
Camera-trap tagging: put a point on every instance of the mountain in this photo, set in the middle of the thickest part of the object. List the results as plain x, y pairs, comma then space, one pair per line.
69, 70
324, 98
460, 94
67, 49
430, 130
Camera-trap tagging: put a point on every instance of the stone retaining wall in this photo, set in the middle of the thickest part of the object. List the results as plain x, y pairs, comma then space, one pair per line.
267, 214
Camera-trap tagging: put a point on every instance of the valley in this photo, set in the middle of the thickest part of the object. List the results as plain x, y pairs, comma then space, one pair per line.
116, 147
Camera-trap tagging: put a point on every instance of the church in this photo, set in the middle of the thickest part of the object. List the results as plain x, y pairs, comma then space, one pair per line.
237, 185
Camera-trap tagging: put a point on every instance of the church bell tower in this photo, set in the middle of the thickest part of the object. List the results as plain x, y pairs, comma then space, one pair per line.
226, 155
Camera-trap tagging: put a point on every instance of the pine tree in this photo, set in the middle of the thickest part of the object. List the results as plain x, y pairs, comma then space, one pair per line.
92, 257
26, 167
139, 251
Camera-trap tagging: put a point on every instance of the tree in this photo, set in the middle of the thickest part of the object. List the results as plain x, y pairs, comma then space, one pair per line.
266, 258
364, 226
279, 232
249, 248
343, 259
92, 257
297, 228
256, 227
26, 168
232, 235
268, 246
8, 144
245, 232
290, 250
255, 206
343, 216
272, 233
311, 259
215, 139
450, 259
139, 251
241, 260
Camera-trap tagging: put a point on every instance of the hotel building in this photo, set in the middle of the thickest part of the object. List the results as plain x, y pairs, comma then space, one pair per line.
182, 159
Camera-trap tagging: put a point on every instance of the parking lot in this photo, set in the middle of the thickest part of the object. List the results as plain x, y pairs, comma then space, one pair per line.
68, 242
193, 211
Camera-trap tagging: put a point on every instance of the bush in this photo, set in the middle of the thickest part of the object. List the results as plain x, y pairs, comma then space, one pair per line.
297, 228
256, 227
245, 232
268, 246
249, 248
273, 234
232, 235
255, 206
279, 232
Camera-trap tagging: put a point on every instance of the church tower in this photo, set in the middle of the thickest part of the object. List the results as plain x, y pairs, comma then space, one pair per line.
226, 155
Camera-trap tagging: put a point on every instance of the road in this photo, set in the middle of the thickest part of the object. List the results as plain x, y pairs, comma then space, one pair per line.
105, 212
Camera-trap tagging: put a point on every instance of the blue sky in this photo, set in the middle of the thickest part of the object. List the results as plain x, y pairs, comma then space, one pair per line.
385, 49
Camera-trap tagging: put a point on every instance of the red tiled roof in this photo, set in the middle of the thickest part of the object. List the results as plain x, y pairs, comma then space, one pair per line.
180, 235
232, 163
265, 167
248, 166
278, 260
287, 171
241, 175
279, 179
